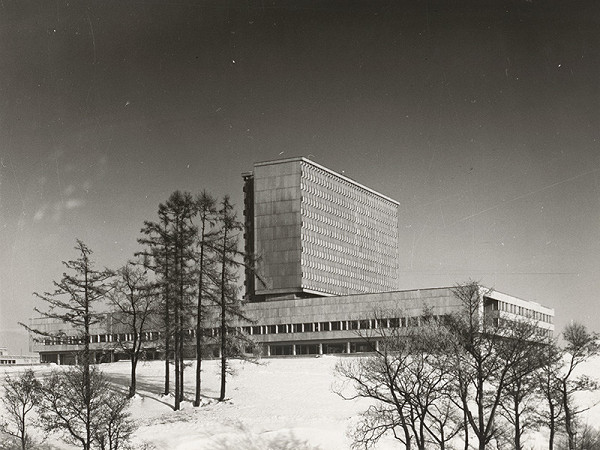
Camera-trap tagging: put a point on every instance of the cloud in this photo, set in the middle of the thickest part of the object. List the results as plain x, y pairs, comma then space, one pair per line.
56, 211
40, 213
73, 203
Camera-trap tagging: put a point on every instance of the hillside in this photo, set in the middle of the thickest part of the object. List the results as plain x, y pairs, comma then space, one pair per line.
278, 404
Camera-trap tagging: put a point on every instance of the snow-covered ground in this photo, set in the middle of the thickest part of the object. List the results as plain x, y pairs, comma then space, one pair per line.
276, 404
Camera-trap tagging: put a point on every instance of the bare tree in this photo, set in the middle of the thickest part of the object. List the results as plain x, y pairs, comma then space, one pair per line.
20, 397
520, 405
116, 429
134, 300
373, 377
580, 345
588, 438
84, 409
409, 380
487, 353
549, 391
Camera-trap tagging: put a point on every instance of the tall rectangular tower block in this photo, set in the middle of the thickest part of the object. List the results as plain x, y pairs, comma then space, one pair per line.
315, 232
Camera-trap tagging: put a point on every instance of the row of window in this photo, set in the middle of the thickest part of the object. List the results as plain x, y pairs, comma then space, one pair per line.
101, 338
363, 272
8, 361
284, 328
323, 348
250, 330
353, 215
508, 323
345, 188
347, 211
329, 285
522, 311
342, 277
375, 240
338, 325
365, 250
364, 259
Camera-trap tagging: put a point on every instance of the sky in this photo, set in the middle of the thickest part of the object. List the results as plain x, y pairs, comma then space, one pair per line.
482, 118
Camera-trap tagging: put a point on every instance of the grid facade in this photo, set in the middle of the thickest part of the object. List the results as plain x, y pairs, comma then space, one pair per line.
316, 232
349, 235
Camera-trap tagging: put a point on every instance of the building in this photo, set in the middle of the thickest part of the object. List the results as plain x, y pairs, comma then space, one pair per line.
62, 344
338, 324
317, 233
327, 250
307, 326
7, 359
327, 268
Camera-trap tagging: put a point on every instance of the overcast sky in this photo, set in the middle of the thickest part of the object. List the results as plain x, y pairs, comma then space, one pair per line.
482, 118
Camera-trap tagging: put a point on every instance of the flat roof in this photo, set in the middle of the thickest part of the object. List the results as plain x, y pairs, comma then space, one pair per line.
339, 175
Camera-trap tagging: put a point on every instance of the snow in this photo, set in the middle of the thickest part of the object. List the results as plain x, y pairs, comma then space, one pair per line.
283, 404
278, 401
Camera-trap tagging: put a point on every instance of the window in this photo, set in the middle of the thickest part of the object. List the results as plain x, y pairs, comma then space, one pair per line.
365, 324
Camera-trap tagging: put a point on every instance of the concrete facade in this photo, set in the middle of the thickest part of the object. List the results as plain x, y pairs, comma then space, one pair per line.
316, 232
338, 324
318, 325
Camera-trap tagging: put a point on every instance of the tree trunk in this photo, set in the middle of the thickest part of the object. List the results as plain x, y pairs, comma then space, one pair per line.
132, 385
466, 425
223, 322
223, 352
86, 360
199, 320
552, 427
181, 367
568, 419
167, 381
167, 319
407, 437
517, 424
167, 341
176, 356
22, 432
198, 376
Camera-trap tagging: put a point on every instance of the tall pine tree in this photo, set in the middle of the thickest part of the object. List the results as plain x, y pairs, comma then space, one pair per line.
73, 302
230, 260
170, 254
181, 208
158, 256
206, 274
